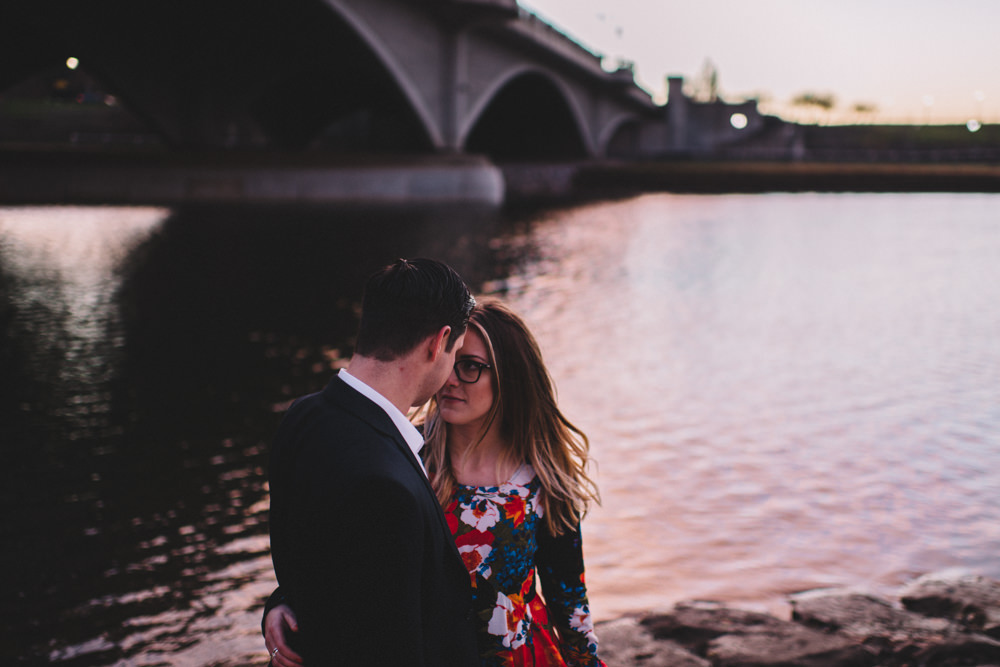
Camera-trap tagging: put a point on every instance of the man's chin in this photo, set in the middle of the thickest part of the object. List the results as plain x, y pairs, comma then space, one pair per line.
425, 396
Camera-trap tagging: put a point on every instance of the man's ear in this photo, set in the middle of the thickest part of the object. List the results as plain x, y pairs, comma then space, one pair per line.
438, 343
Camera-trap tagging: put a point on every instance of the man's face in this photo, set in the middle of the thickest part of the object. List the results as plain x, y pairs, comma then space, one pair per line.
438, 375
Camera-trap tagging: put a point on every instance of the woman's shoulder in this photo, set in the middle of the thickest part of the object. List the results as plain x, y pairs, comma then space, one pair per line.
524, 482
523, 476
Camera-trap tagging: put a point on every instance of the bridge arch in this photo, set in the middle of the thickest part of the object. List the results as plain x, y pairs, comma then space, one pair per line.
406, 85
499, 125
620, 136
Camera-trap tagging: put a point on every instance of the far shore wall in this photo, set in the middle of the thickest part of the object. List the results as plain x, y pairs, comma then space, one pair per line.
146, 182
453, 180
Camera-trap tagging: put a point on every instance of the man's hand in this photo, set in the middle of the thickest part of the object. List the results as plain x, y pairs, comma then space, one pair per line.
279, 620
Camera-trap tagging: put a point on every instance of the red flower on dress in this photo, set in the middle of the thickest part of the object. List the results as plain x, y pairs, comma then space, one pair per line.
475, 547
474, 538
515, 509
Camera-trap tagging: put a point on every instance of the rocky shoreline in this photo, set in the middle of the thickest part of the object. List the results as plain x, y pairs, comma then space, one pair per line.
940, 620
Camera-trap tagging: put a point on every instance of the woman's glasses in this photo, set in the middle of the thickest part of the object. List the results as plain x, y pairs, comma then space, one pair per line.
469, 371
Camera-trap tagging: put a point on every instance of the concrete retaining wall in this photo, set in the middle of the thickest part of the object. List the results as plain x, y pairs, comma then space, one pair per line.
444, 182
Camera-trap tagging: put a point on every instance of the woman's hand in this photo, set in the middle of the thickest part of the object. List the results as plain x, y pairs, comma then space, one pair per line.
276, 623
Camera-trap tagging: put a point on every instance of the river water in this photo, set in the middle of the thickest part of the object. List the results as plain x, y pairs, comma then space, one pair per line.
783, 392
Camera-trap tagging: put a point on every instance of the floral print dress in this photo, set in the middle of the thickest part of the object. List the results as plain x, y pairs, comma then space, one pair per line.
502, 538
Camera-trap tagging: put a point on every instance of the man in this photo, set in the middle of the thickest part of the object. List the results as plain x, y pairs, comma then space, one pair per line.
359, 543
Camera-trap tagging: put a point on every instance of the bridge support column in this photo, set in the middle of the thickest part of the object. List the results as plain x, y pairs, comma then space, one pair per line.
456, 89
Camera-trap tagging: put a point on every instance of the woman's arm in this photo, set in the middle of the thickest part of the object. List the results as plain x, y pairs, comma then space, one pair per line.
560, 567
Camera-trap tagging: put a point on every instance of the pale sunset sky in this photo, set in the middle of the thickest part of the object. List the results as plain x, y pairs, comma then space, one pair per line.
914, 61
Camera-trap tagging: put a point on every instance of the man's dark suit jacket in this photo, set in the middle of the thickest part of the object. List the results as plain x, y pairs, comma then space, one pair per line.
360, 545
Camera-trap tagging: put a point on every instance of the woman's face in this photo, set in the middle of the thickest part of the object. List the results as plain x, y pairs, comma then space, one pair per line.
463, 403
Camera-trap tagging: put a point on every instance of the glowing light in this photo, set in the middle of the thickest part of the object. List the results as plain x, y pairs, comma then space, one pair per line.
974, 125
72, 63
738, 120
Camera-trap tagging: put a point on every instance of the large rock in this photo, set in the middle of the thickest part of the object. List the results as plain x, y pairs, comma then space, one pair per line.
944, 623
898, 636
972, 601
867, 619
626, 642
737, 638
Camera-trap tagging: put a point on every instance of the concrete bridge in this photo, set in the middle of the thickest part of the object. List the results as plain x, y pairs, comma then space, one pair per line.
397, 76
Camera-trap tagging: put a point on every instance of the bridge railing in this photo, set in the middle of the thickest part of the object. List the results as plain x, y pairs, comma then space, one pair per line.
545, 30
539, 29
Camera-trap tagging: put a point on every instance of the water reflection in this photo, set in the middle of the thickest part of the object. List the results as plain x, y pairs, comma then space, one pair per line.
153, 352
218, 297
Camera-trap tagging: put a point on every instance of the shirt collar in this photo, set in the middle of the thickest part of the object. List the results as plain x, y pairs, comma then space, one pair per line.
406, 429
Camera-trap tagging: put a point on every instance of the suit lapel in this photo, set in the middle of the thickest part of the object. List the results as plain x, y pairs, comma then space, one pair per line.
342, 394
347, 397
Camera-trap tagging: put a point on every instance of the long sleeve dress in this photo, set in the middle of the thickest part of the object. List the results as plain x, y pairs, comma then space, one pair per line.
502, 538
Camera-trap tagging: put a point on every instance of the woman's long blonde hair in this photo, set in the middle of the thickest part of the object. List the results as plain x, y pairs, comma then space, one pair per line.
524, 407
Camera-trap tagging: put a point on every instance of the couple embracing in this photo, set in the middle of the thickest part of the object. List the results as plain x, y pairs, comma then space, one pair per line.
371, 571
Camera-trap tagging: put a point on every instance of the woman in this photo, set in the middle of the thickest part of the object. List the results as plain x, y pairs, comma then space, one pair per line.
509, 470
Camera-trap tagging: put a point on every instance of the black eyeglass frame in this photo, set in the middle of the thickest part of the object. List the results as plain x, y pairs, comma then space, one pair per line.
477, 365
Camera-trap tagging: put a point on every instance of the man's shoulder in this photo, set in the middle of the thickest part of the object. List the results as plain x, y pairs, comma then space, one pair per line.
318, 426
315, 421
335, 401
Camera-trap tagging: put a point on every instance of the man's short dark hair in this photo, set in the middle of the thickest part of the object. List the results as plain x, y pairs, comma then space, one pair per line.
408, 301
